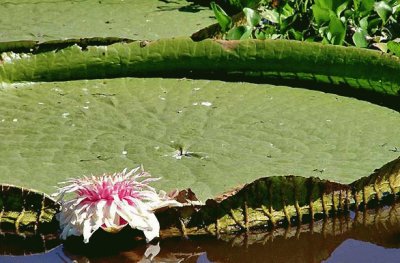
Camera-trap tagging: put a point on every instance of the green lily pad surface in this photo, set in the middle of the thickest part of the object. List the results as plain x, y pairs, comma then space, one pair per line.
134, 19
206, 135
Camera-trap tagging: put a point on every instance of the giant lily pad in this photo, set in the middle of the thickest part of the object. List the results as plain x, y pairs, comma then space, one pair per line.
139, 19
266, 203
232, 133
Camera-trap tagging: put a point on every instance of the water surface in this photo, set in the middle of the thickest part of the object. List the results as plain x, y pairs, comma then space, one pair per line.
372, 236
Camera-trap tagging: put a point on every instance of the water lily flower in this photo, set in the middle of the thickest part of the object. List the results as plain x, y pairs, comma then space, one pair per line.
111, 202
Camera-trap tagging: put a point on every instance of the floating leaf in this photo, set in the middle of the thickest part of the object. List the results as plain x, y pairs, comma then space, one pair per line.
394, 47
364, 23
381, 46
75, 137
337, 31
260, 35
117, 60
138, 19
326, 4
321, 15
359, 38
26, 211
271, 15
236, 33
247, 34
253, 17
341, 8
287, 11
332, 5
266, 202
384, 10
364, 6
295, 34
223, 19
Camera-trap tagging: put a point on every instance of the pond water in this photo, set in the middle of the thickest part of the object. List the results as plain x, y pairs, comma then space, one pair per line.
371, 236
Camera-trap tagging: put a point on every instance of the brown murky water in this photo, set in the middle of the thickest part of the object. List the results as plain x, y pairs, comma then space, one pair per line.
369, 236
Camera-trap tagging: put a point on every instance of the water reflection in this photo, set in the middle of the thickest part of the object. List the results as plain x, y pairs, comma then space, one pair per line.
55, 255
351, 251
13, 244
371, 236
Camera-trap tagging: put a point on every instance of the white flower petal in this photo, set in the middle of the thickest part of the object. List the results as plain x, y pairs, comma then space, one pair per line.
87, 231
108, 201
155, 228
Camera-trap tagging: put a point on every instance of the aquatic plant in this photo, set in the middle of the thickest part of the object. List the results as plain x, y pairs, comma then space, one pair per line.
365, 24
111, 202
266, 58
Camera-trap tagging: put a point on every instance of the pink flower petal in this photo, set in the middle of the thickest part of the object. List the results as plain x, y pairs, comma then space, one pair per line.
111, 202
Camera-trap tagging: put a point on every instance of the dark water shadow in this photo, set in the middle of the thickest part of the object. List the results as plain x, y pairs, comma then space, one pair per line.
364, 236
189, 8
388, 101
192, 8
14, 244
226, 6
375, 233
